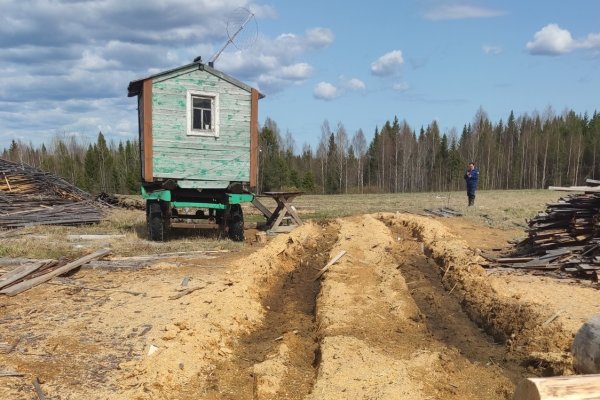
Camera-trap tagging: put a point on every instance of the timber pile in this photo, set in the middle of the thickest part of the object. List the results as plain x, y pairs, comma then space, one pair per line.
565, 238
120, 201
32, 197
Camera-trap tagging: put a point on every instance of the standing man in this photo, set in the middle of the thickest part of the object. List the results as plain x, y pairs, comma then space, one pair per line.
471, 177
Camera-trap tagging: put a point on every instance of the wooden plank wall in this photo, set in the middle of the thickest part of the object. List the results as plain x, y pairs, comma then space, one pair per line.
254, 139
147, 174
179, 156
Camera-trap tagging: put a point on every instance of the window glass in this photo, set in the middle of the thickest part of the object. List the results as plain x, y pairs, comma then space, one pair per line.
197, 119
201, 102
202, 113
206, 119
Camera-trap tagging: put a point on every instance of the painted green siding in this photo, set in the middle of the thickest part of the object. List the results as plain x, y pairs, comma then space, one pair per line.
179, 156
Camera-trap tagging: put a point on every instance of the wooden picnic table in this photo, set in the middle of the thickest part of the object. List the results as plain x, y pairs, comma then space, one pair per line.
283, 210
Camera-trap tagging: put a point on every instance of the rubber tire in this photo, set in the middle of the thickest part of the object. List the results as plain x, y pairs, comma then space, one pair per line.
155, 219
236, 223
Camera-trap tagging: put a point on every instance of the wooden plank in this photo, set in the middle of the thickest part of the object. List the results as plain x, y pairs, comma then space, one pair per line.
575, 189
513, 259
38, 389
11, 374
185, 292
147, 131
253, 138
292, 212
21, 272
592, 181
26, 285
261, 207
578, 387
330, 263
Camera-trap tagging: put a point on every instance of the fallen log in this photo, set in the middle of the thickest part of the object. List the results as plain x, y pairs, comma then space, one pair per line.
578, 387
28, 284
586, 347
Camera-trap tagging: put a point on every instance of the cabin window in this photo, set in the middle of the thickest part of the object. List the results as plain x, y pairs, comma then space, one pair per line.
203, 113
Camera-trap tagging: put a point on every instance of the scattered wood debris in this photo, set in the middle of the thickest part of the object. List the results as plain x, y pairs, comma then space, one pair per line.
38, 389
563, 239
330, 263
32, 197
445, 212
28, 276
10, 374
120, 201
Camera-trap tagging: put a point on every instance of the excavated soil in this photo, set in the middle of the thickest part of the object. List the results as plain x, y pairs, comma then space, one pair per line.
406, 313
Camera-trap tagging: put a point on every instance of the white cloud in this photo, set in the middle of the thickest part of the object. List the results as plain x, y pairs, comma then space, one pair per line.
551, 40
296, 72
356, 84
388, 64
401, 87
273, 63
326, 91
554, 40
57, 52
491, 50
319, 37
461, 11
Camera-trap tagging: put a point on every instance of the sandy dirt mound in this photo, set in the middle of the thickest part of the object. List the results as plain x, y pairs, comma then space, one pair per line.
375, 340
509, 318
92, 338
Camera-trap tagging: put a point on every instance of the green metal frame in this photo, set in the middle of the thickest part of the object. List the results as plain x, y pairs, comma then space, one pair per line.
165, 195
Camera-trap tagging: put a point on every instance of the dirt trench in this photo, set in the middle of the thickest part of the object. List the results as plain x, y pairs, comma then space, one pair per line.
387, 321
279, 360
380, 326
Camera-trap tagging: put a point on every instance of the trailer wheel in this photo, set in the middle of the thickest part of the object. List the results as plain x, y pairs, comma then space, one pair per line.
157, 220
236, 223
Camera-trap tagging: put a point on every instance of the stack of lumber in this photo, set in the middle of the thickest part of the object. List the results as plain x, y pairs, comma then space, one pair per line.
32, 197
565, 238
120, 201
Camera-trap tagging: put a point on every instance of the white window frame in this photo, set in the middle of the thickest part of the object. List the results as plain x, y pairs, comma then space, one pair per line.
214, 132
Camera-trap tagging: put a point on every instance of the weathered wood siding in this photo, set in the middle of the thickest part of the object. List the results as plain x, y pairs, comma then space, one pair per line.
179, 156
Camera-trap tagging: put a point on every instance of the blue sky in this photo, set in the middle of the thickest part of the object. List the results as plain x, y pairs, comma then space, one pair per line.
65, 65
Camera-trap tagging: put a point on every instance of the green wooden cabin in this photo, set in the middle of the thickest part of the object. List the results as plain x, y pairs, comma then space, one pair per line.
197, 128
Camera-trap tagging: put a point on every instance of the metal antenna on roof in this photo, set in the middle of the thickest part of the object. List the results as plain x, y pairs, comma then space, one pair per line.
241, 18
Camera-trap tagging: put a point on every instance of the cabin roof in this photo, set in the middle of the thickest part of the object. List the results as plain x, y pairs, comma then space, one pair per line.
135, 87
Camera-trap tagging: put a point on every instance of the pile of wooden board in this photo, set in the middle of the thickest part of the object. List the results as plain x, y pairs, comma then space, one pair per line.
32, 197
34, 273
565, 238
120, 201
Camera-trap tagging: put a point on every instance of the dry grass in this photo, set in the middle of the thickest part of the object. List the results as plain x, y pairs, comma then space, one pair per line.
498, 209
53, 241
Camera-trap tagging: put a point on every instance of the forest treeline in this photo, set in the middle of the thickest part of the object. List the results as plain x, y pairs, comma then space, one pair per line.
522, 152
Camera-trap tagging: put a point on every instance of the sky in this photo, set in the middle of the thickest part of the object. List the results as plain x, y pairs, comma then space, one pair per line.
65, 64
